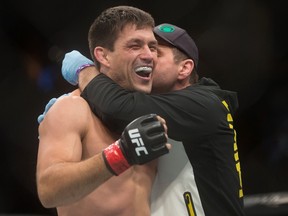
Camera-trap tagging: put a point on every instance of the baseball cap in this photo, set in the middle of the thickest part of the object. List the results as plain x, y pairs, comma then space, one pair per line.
178, 38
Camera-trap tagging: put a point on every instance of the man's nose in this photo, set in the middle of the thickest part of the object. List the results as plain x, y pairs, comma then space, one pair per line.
147, 53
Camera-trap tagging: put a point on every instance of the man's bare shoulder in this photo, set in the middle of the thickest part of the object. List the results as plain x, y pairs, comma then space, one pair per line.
67, 104
67, 111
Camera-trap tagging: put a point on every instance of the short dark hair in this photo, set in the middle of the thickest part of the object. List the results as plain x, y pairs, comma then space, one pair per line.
106, 27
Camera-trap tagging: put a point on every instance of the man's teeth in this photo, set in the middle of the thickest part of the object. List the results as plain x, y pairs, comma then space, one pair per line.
144, 70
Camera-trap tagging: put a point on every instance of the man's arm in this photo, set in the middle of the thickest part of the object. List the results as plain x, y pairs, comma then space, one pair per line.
60, 171
116, 107
63, 176
87, 76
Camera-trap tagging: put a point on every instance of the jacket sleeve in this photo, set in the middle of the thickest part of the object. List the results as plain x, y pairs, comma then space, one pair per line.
116, 107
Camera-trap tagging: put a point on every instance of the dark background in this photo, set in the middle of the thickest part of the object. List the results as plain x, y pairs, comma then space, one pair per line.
242, 44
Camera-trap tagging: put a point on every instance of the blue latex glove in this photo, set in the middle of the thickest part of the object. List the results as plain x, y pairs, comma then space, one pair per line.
72, 64
47, 107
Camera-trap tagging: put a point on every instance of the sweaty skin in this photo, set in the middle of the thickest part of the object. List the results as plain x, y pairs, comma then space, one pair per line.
86, 190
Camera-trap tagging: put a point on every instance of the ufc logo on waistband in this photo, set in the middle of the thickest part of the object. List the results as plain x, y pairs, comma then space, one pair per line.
136, 139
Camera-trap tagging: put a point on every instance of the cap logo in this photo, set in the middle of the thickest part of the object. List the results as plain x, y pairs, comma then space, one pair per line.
166, 28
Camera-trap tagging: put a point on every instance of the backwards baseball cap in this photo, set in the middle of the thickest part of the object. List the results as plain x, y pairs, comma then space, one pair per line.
178, 38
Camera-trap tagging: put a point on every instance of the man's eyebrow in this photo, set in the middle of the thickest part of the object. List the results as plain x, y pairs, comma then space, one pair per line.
154, 42
134, 40
137, 40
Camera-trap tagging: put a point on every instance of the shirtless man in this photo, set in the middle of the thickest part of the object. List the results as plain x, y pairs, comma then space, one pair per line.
74, 159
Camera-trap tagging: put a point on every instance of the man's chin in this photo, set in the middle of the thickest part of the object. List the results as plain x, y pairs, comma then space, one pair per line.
144, 89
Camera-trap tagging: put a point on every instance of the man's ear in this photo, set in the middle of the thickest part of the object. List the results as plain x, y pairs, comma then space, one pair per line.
100, 54
186, 69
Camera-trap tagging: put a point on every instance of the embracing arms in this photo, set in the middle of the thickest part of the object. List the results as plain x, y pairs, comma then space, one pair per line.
66, 172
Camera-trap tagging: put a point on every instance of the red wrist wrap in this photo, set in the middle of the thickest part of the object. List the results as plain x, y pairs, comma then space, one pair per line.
115, 159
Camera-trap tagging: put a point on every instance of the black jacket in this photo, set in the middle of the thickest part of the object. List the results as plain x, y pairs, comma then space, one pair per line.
201, 117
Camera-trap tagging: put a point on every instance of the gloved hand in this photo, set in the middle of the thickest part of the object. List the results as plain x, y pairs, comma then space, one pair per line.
72, 64
142, 141
47, 107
